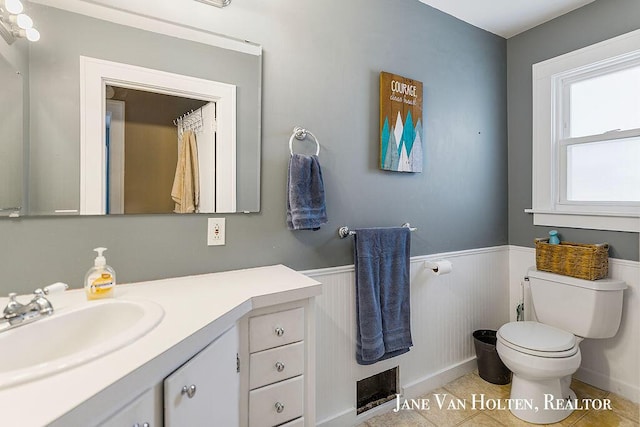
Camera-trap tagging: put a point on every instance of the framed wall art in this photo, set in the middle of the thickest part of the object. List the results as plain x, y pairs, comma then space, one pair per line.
401, 132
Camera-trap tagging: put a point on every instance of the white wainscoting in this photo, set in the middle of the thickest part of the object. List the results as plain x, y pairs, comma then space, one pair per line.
445, 310
610, 364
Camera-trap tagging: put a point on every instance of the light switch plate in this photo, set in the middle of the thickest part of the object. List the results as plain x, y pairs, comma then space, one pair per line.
215, 231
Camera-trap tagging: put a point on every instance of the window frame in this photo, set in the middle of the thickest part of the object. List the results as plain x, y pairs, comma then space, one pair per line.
551, 82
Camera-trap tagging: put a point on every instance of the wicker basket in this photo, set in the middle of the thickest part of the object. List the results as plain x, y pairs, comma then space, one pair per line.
590, 262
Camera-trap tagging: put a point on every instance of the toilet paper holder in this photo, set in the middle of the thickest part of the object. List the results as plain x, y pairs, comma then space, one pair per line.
439, 267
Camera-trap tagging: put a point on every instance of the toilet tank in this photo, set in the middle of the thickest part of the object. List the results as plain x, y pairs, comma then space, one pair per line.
586, 308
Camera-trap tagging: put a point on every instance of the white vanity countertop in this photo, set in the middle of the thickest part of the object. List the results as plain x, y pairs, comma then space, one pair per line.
197, 310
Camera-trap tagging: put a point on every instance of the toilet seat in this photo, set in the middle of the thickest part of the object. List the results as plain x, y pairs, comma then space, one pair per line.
538, 339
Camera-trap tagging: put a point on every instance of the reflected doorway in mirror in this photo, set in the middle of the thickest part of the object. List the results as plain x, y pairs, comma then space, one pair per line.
96, 74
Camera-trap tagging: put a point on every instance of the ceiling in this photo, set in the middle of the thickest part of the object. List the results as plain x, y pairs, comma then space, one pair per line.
506, 18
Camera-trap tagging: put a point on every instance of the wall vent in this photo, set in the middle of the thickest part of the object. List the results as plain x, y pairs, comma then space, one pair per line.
377, 389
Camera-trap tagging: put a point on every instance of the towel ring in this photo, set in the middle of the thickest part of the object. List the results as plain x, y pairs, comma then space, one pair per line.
300, 134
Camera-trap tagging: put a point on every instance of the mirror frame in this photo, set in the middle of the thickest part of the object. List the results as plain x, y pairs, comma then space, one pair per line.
157, 23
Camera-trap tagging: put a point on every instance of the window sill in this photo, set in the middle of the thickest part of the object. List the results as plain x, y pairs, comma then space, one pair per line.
593, 221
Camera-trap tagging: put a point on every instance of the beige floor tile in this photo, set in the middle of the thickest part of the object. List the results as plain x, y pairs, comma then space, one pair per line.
400, 419
470, 384
604, 418
570, 420
624, 407
481, 420
446, 409
505, 417
584, 390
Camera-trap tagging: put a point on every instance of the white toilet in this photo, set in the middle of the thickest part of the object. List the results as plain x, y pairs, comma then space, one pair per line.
543, 355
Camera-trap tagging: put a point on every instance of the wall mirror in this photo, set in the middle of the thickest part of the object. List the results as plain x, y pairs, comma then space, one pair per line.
90, 113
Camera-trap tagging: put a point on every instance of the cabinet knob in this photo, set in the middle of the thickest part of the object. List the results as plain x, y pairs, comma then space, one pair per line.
142, 425
279, 407
279, 331
279, 366
189, 391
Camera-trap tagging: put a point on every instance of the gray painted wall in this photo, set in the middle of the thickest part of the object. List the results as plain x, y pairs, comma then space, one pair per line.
321, 70
591, 24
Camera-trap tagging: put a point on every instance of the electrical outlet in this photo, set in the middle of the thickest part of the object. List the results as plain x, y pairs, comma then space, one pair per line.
215, 231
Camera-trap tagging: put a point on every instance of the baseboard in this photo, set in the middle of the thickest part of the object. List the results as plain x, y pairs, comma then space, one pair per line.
344, 418
409, 391
438, 379
605, 382
381, 409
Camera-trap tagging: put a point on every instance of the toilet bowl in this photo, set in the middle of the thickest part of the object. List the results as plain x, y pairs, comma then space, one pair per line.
544, 354
542, 358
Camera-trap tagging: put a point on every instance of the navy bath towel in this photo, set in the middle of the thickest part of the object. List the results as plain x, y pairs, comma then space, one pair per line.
306, 208
383, 321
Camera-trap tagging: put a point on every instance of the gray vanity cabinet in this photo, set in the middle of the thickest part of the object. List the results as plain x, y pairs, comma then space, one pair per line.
206, 389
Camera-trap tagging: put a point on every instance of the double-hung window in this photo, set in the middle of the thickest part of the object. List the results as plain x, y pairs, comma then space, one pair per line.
586, 137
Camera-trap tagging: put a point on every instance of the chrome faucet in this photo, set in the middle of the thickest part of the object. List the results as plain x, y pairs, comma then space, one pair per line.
17, 314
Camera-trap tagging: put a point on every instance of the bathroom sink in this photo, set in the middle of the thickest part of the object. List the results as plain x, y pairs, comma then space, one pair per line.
73, 336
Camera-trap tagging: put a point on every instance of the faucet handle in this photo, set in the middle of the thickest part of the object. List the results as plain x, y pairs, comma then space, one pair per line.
55, 288
42, 304
13, 306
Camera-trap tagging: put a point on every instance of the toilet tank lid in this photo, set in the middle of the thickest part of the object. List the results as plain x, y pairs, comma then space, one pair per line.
600, 285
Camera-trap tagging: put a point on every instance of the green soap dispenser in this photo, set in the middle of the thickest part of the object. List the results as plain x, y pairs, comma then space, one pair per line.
100, 280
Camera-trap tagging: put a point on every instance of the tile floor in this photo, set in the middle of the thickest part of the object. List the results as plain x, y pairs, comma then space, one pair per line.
624, 413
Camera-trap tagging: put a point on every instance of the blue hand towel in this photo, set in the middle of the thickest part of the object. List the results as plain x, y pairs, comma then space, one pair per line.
382, 293
306, 208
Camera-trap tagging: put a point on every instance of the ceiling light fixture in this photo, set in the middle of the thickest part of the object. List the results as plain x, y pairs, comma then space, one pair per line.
13, 6
15, 24
22, 20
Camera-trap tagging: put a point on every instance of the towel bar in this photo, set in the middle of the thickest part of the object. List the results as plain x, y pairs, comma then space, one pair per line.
344, 230
300, 134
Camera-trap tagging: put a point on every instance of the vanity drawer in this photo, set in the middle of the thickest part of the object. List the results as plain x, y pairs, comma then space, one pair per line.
276, 403
276, 329
276, 364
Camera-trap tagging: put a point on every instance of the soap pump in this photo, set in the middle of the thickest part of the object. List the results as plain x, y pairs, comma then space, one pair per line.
100, 280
